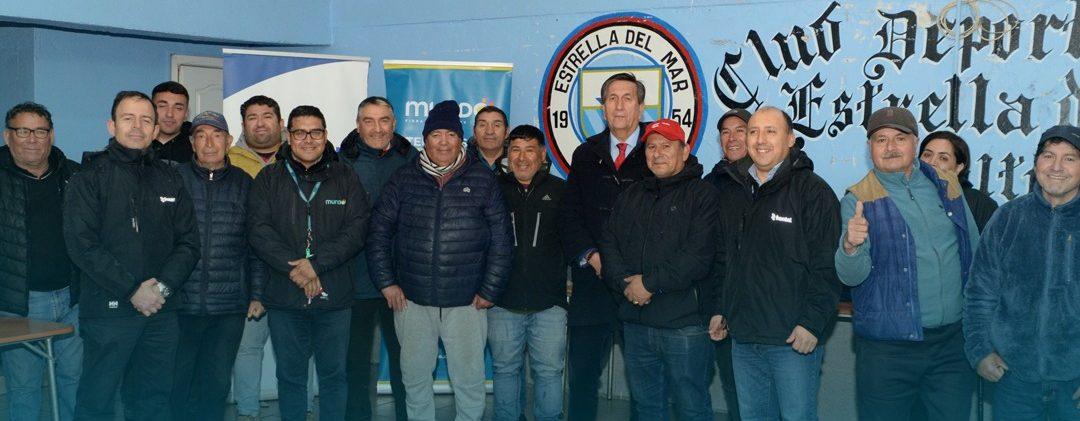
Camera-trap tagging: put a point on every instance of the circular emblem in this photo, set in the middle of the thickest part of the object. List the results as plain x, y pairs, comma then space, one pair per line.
571, 108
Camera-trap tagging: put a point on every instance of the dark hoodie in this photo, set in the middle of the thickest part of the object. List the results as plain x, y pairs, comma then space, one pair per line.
667, 231
31, 234
277, 228
779, 240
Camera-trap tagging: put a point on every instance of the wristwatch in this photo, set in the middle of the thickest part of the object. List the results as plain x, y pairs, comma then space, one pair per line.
164, 290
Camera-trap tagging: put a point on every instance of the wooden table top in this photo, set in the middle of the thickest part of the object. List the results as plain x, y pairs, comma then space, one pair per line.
16, 330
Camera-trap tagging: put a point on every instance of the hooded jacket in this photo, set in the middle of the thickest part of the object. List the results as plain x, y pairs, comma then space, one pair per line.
667, 231
779, 240
128, 218
277, 222
241, 156
1021, 300
374, 167
538, 278
228, 275
442, 246
592, 185
15, 259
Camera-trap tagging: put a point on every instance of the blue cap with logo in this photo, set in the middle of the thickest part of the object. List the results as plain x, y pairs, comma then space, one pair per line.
210, 118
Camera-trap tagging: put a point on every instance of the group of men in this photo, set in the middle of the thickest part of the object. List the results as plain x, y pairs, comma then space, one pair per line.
177, 252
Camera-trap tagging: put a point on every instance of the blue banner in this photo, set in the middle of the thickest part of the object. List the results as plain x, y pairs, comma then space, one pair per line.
414, 87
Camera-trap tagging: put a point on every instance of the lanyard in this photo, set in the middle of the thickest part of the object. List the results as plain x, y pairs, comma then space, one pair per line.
307, 202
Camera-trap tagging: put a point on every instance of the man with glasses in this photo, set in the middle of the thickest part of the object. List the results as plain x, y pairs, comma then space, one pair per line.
905, 250
40, 283
129, 225
307, 219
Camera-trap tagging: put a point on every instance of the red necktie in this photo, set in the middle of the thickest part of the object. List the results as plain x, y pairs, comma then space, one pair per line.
622, 155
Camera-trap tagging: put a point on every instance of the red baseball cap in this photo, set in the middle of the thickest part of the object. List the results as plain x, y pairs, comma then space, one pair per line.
668, 128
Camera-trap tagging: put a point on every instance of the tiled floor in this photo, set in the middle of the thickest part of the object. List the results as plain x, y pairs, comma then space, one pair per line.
609, 410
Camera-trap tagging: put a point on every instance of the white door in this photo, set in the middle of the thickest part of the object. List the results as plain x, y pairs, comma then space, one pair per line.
202, 77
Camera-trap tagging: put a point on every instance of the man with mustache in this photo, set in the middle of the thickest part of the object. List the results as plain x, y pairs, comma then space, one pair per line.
42, 282
489, 136
905, 251
171, 103
129, 225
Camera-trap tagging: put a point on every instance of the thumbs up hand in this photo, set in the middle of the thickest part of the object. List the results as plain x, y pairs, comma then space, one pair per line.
858, 228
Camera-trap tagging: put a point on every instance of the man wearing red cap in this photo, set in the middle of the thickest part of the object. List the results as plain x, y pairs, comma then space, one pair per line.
780, 223
661, 257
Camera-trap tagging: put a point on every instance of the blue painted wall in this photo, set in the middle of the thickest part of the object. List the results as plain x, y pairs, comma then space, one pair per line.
278, 22
76, 75
17, 58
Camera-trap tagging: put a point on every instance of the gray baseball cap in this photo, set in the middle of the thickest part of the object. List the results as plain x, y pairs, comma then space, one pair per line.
893, 117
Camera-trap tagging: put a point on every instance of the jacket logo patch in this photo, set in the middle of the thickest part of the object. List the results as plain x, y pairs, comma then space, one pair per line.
467, 190
779, 218
114, 304
339, 202
546, 197
166, 199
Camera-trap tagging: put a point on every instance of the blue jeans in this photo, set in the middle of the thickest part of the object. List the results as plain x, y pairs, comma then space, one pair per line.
775, 382
1016, 400
24, 371
298, 335
544, 334
662, 362
247, 370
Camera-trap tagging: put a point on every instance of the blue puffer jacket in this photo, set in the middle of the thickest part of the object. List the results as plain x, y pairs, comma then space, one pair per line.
228, 275
1022, 298
441, 245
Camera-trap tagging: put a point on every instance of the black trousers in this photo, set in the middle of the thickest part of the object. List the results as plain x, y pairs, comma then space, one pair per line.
204, 363
891, 375
727, 378
140, 353
362, 374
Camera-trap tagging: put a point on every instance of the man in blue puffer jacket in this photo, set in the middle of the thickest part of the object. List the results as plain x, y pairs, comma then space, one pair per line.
440, 250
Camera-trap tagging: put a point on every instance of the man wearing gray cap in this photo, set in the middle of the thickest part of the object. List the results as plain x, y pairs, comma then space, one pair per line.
905, 250
1021, 321
214, 300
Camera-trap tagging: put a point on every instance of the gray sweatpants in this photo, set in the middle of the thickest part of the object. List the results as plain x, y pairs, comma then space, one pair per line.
463, 331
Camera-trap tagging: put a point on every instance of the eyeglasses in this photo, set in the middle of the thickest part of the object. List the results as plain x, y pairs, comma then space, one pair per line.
23, 133
316, 134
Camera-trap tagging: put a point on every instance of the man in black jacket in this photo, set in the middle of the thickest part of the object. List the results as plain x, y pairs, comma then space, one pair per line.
659, 252
732, 127
531, 313
601, 168
129, 225
780, 224
440, 250
171, 142
227, 277
38, 278
307, 218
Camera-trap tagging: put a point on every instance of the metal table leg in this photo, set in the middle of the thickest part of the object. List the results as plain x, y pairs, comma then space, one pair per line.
46, 351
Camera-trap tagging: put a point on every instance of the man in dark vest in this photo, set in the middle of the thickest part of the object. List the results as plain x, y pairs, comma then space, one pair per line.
905, 251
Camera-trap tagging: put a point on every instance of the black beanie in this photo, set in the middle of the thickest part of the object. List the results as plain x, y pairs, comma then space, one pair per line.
444, 115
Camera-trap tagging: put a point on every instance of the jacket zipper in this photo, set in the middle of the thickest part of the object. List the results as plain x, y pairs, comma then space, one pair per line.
206, 246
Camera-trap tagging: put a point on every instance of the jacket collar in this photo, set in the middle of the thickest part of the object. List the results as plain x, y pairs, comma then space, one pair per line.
122, 154
207, 174
1071, 207
317, 172
353, 146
